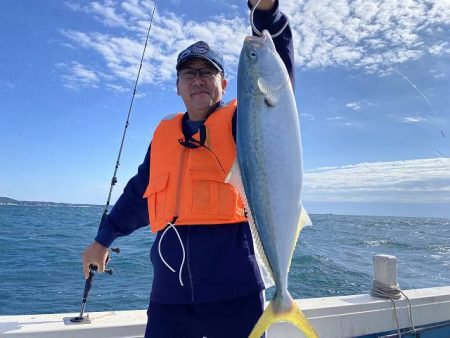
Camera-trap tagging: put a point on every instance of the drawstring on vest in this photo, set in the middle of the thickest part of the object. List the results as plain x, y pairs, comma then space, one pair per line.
191, 142
172, 226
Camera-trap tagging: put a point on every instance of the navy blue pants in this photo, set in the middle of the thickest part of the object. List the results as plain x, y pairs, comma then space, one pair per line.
232, 318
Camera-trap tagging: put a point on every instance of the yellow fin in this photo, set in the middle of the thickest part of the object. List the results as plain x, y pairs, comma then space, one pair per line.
294, 316
304, 219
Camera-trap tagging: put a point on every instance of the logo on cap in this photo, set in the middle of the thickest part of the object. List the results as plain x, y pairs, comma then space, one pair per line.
200, 48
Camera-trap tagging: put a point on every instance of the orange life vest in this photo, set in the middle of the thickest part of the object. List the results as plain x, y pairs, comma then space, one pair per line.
189, 184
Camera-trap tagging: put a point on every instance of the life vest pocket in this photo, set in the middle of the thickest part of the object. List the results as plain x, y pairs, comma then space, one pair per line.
156, 194
211, 195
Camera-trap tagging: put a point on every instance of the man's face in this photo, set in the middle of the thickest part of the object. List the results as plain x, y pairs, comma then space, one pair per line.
200, 94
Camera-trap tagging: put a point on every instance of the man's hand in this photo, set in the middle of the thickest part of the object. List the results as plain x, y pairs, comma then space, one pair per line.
265, 5
95, 254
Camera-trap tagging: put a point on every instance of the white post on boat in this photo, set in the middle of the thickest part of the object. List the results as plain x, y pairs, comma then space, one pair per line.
385, 269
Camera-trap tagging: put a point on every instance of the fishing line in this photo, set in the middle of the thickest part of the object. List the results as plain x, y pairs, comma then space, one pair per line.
439, 153
416, 88
426, 100
114, 178
421, 93
256, 29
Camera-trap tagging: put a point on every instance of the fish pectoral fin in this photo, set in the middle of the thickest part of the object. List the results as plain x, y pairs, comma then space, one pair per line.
270, 90
294, 316
270, 98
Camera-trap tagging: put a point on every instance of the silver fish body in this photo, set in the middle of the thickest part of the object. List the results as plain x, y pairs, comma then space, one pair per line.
269, 151
269, 155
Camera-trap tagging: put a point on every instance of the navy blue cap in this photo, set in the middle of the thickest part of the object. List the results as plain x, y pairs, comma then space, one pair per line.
203, 51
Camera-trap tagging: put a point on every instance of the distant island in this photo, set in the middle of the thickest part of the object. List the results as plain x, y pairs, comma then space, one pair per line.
11, 201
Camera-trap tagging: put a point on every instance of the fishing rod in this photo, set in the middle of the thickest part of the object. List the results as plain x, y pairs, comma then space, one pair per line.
114, 178
93, 268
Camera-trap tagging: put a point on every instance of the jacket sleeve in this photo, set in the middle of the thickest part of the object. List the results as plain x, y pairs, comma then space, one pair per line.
130, 211
273, 21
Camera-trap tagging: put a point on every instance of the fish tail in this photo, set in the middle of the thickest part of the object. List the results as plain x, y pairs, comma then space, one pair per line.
293, 315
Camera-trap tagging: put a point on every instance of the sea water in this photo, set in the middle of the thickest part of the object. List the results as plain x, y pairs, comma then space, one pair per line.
41, 270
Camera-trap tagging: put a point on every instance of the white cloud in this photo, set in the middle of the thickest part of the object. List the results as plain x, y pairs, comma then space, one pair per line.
170, 34
439, 48
78, 75
413, 119
353, 105
134, 8
439, 75
354, 33
374, 34
440, 12
104, 11
310, 117
118, 88
351, 124
415, 181
336, 118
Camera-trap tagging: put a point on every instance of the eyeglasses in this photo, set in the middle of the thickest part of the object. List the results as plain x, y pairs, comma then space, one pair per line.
204, 73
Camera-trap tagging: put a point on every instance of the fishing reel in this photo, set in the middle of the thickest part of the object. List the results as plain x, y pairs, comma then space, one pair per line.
87, 287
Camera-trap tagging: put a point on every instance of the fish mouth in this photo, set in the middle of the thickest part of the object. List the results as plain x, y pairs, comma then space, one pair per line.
254, 41
261, 38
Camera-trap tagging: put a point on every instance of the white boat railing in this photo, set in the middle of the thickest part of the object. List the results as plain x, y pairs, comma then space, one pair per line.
332, 317
346, 316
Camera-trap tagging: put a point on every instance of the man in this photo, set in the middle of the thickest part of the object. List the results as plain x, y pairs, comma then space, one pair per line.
206, 281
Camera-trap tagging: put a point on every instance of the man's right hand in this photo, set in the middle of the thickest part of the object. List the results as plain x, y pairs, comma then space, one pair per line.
95, 254
264, 5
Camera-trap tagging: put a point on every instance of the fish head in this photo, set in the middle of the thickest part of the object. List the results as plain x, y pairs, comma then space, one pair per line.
261, 71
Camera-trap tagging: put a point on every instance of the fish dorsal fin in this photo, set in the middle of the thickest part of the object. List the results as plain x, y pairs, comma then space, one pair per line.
235, 179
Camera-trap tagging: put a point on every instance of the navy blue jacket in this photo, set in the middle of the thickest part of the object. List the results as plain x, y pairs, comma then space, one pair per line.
220, 260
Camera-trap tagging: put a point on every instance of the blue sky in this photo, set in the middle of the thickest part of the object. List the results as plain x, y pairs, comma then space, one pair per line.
372, 142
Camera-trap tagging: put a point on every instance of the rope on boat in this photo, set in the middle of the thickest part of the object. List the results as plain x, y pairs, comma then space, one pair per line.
392, 292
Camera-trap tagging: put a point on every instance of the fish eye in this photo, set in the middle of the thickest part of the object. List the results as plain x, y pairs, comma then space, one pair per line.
253, 54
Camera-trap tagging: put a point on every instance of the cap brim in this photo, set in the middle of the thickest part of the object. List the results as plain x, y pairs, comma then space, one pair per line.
198, 56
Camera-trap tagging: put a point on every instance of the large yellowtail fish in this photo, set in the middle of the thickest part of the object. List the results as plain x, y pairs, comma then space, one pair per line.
268, 171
